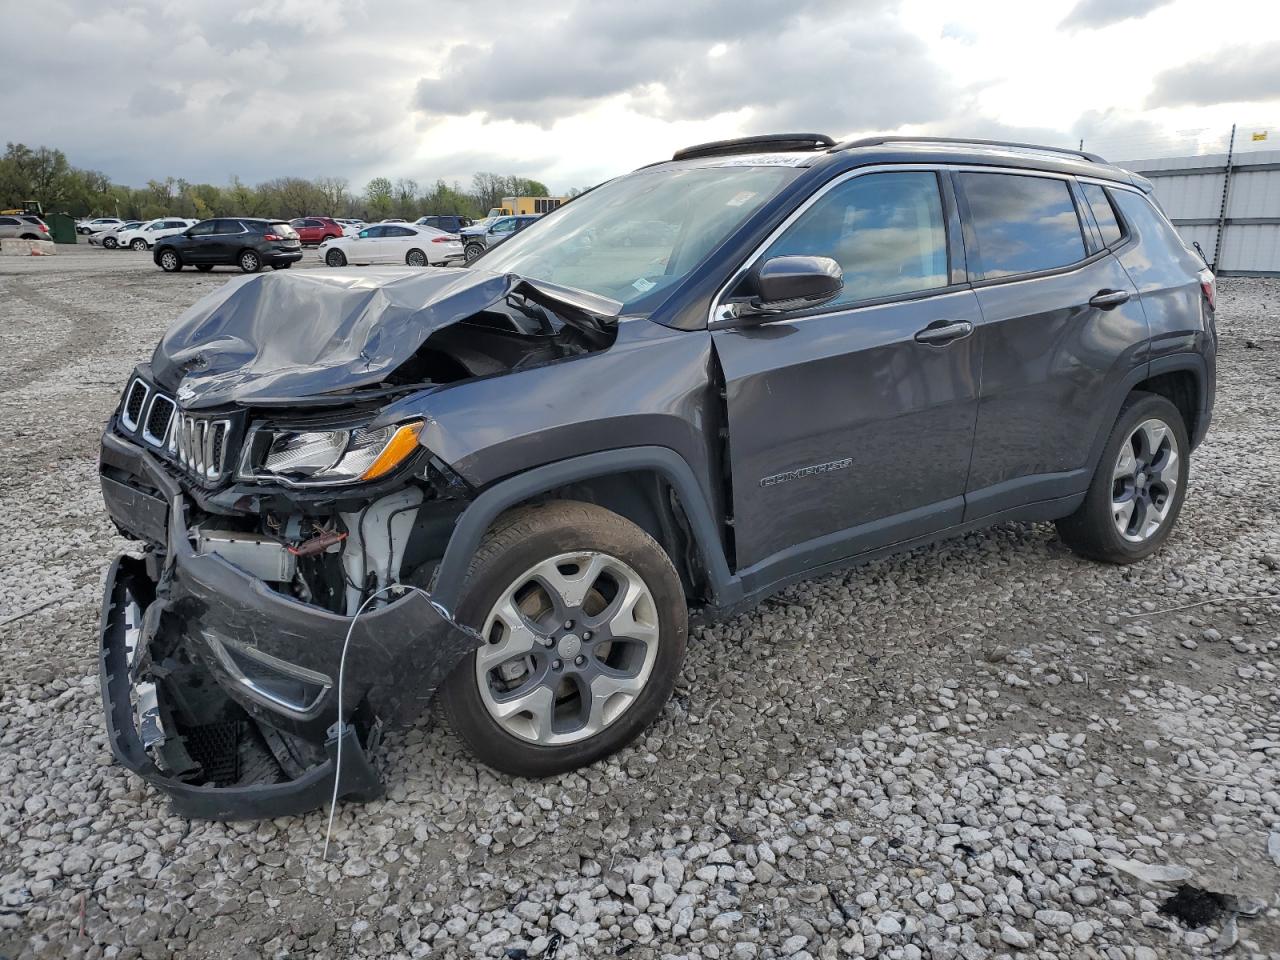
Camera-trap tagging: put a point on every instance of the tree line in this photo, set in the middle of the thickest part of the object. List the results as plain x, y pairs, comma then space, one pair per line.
45, 175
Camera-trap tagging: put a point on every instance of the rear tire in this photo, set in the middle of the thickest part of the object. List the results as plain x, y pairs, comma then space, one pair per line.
335, 258
1138, 487
250, 261
139, 245
598, 693
415, 258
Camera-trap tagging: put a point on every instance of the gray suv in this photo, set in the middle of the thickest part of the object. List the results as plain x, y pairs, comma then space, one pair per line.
476, 240
508, 490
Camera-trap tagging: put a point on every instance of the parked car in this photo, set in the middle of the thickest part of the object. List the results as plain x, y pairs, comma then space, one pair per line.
23, 226
393, 243
244, 242
476, 240
145, 236
351, 227
835, 352
98, 225
316, 230
449, 223
110, 239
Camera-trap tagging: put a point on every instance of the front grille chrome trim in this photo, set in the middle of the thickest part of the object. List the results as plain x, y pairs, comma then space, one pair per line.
158, 439
131, 423
202, 446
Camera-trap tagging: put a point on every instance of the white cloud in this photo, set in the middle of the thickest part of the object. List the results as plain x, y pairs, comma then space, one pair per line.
573, 91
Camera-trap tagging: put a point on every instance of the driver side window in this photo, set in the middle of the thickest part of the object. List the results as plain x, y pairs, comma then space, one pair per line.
886, 230
504, 226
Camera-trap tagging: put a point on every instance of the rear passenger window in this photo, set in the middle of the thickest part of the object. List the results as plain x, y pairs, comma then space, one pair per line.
886, 231
1103, 212
1023, 224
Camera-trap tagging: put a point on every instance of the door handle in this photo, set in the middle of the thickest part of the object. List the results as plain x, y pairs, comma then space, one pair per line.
1106, 299
944, 331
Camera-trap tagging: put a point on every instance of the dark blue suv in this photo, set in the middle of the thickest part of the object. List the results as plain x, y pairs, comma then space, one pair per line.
507, 488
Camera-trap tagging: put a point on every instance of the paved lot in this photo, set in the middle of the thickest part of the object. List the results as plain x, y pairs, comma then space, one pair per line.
936, 755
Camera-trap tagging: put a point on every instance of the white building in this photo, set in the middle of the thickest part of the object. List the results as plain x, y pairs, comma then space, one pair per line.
1243, 238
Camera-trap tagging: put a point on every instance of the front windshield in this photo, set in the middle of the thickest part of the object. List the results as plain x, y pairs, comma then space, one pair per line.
636, 235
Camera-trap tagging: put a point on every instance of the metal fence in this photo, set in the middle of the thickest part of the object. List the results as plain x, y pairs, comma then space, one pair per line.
1227, 202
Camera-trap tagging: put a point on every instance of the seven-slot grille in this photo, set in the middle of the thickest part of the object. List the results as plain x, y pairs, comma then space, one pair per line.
198, 444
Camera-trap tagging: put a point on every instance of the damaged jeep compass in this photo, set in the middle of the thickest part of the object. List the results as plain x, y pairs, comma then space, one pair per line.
502, 492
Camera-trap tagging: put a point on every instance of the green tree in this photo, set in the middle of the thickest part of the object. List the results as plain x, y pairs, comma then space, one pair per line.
379, 195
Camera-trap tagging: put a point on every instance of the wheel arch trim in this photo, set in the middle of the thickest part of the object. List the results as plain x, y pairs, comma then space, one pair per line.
1192, 363
476, 520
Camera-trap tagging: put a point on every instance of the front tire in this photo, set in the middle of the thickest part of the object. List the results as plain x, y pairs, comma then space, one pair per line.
110, 243
169, 261
1138, 487
472, 250
586, 625
335, 258
249, 261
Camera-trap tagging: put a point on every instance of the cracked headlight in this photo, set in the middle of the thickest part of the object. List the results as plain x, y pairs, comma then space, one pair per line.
327, 457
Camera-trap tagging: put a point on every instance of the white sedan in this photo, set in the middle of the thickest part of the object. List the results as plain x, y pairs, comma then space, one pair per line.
145, 236
393, 243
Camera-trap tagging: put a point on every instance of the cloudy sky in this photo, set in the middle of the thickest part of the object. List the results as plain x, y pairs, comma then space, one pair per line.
574, 91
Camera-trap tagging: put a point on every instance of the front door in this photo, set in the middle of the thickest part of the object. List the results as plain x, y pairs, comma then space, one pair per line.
850, 424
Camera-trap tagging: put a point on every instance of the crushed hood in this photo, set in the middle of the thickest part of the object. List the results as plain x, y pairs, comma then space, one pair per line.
278, 337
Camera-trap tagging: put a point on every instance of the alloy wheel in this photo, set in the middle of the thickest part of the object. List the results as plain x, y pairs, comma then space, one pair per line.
571, 645
1144, 480
169, 260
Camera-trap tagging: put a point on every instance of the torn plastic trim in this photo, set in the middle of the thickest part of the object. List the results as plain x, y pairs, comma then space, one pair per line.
309, 791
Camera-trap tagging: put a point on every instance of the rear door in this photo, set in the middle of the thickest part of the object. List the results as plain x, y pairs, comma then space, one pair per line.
846, 431
1061, 327
229, 236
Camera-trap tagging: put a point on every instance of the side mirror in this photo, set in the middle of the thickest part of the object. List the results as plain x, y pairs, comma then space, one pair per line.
792, 283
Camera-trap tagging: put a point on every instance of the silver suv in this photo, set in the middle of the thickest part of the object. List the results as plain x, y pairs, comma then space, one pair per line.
23, 226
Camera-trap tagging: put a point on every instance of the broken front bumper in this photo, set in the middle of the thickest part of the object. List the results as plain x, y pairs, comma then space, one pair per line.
244, 678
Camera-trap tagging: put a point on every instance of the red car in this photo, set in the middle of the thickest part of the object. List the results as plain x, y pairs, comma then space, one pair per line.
316, 230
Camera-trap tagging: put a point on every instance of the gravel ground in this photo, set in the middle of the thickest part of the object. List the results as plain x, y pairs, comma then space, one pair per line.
941, 755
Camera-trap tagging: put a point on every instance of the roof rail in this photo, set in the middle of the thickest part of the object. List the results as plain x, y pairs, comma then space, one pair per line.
962, 141
761, 144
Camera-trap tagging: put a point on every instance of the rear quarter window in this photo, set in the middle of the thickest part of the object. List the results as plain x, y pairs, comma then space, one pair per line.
1022, 224
1103, 212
